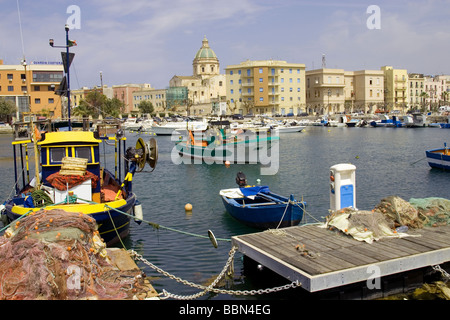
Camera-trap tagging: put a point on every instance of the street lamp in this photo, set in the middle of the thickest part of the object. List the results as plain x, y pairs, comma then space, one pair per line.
67, 67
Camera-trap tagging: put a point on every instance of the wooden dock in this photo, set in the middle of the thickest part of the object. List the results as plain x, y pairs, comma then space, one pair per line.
321, 259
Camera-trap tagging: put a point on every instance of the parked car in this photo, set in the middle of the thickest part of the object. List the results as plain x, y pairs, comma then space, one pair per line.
237, 117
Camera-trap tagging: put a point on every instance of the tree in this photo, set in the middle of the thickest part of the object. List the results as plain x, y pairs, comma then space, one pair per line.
113, 108
146, 107
7, 109
92, 104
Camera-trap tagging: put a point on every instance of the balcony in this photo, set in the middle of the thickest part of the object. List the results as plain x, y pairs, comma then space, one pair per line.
247, 84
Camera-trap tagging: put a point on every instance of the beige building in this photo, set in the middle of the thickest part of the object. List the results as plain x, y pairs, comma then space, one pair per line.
395, 88
416, 91
330, 91
204, 87
266, 87
156, 96
32, 88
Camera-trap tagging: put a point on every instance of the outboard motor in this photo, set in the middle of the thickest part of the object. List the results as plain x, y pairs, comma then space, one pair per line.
241, 179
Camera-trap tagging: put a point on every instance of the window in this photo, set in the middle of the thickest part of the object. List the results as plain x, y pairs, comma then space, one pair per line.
239, 71
56, 155
290, 89
338, 80
51, 100
260, 80
290, 70
83, 152
260, 89
10, 88
282, 80
261, 99
370, 81
273, 71
37, 100
37, 88
298, 80
231, 91
231, 81
10, 76
249, 72
260, 70
329, 79
231, 72
290, 80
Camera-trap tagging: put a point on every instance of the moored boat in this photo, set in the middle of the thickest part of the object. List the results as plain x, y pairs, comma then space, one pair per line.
220, 145
258, 207
439, 158
70, 176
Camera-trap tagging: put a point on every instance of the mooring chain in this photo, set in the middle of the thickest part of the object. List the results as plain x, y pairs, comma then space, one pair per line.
211, 288
444, 273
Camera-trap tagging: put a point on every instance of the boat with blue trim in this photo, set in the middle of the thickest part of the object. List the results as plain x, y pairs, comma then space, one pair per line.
439, 158
71, 176
258, 207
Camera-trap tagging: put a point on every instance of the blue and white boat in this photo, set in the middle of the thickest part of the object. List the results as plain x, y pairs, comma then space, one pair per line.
439, 158
259, 208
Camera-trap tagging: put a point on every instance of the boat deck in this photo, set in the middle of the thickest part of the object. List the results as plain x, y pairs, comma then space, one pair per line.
322, 259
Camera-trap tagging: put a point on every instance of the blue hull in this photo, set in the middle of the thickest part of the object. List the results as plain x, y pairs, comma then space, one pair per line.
265, 216
438, 158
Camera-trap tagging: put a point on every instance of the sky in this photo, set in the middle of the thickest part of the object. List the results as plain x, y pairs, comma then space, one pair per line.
150, 41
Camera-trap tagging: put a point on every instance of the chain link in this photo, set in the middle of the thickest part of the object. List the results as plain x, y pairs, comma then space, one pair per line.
444, 273
210, 288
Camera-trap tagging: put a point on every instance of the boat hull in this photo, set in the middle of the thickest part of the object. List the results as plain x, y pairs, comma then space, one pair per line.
265, 217
253, 151
438, 158
113, 224
289, 129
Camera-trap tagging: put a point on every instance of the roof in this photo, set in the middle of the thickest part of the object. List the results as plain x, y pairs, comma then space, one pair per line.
59, 137
205, 52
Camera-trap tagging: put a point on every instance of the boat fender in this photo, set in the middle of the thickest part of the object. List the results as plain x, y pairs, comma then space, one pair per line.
138, 212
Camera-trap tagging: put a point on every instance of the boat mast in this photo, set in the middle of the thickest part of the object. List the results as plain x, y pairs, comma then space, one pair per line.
68, 60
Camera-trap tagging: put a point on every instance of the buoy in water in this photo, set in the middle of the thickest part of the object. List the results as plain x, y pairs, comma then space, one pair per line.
188, 207
227, 164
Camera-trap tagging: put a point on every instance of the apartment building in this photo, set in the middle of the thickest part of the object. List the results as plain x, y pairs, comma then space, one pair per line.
156, 96
330, 91
32, 87
395, 88
266, 87
435, 92
416, 91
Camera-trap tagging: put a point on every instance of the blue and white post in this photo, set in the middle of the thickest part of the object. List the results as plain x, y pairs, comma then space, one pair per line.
342, 186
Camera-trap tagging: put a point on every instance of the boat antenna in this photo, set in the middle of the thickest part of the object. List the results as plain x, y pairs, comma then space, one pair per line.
67, 60
20, 28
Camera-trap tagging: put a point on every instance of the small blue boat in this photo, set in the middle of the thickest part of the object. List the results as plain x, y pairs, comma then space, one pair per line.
439, 158
259, 208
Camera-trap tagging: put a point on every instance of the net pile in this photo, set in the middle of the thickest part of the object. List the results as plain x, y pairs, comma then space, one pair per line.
390, 215
59, 255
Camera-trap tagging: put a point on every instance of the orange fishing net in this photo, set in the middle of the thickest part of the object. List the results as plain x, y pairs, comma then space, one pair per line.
59, 255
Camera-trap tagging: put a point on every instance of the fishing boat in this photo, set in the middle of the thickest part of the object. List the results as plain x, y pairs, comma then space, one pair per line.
72, 177
439, 158
167, 128
258, 207
219, 145
70, 172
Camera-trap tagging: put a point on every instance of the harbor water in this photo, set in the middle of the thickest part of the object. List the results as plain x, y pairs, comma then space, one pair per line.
389, 161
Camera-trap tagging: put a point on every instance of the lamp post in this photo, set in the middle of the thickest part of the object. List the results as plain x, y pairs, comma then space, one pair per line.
67, 64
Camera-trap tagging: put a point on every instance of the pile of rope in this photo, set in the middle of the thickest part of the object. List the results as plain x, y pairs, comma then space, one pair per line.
55, 255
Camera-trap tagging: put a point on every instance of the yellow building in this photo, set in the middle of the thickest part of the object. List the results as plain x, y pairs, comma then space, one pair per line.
395, 88
266, 87
32, 88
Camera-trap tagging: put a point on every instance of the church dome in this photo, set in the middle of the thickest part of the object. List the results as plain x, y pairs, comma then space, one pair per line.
205, 52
